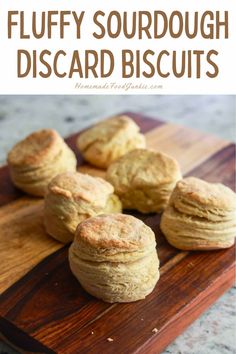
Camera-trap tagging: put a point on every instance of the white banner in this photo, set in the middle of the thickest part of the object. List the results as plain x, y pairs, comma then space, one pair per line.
114, 47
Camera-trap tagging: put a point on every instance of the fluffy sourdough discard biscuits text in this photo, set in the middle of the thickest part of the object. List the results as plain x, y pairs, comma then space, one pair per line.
110, 139
200, 216
74, 197
144, 179
34, 161
114, 258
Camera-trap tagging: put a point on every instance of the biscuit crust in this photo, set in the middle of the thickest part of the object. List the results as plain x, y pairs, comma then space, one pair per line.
110, 139
104, 232
195, 196
144, 179
35, 148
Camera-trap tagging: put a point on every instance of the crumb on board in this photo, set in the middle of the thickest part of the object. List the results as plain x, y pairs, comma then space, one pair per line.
110, 339
92, 332
141, 319
155, 330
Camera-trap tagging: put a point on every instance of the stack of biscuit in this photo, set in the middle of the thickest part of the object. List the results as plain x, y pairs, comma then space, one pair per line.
144, 179
34, 161
200, 216
114, 258
74, 197
110, 139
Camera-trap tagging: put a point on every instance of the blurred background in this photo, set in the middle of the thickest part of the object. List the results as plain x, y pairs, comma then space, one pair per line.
214, 332
20, 115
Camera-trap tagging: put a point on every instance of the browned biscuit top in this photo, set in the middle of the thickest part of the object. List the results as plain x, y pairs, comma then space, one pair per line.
210, 195
143, 168
35, 148
75, 185
115, 231
106, 130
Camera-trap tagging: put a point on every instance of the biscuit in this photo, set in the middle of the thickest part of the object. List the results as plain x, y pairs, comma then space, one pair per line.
114, 258
200, 216
34, 161
74, 197
110, 139
144, 179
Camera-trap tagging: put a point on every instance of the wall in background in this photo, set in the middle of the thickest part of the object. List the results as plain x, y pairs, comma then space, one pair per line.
20, 115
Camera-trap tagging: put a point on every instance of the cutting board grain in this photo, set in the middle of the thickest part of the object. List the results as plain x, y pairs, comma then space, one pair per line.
43, 308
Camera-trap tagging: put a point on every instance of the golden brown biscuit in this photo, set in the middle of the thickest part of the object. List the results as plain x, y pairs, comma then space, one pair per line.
144, 179
110, 139
200, 216
114, 258
74, 197
34, 161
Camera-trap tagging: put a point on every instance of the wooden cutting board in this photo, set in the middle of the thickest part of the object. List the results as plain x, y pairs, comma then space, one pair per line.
44, 309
